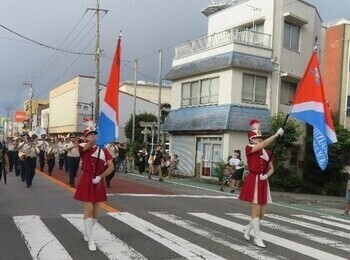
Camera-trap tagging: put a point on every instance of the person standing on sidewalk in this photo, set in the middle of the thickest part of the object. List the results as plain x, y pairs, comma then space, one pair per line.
121, 159
256, 188
142, 158
97, 164
73, 157
347, 198
237, 162
113, 150
157, 157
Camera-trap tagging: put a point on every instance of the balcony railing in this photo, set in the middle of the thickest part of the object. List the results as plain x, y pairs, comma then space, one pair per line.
215, 40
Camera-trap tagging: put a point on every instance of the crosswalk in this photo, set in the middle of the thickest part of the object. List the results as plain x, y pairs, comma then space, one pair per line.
194, 235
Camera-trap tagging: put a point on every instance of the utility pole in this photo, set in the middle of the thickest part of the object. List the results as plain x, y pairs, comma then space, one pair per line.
97, 58
159, 93
31, 93
134, 108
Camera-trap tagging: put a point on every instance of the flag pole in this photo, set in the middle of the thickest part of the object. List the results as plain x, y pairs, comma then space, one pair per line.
285, 121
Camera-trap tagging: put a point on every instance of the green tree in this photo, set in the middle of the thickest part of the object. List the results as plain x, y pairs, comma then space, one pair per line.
147, 117
331, 180
283, 178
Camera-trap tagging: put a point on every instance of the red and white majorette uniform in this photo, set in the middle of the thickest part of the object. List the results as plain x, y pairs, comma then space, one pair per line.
255, 190
86, 190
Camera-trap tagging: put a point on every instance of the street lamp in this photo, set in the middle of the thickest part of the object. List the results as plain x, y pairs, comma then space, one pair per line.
85, 107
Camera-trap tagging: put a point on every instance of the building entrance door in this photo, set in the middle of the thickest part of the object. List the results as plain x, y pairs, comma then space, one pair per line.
211, 155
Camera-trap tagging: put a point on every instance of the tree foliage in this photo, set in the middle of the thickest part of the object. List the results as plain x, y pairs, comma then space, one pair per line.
330, 181
147, 117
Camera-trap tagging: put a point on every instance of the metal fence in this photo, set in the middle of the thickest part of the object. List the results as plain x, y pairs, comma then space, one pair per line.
215, 40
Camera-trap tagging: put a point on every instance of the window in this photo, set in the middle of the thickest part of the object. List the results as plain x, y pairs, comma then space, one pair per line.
254, 89
288, 90
348, 107
205, 91
291, 37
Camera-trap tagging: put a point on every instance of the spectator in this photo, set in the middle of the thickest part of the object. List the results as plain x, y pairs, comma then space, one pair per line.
347, 197
237, 162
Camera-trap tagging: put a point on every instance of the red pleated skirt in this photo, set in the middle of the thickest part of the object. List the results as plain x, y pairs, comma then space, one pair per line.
255, 190
89, 192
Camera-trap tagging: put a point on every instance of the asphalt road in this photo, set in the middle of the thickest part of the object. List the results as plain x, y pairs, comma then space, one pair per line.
148, 219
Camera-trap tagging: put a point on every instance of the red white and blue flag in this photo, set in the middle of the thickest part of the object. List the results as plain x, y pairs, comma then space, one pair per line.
310, 106
108, 122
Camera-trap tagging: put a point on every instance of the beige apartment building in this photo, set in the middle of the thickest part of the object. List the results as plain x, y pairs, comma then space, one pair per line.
247, 66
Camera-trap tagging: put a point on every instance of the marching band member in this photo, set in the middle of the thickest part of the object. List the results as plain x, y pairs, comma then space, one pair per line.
60, 152
31, 152
96, 164
73, 157
21, 156
256, 188
50, 156
42, 145
113, 150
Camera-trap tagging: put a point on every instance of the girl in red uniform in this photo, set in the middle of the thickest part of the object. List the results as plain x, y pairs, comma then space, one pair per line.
256, 188
96, 164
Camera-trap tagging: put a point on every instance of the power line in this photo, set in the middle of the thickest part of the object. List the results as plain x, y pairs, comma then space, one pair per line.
62, 43
44, 45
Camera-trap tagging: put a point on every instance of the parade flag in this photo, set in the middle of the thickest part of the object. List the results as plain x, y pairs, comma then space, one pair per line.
108, 122
310, 106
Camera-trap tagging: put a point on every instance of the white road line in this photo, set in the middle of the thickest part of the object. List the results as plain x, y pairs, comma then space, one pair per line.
337, 219
310, 226
184, 184
167, 239
297, 232
322, 221
42, 244
233, 243
110, 245
171, 196
279, 241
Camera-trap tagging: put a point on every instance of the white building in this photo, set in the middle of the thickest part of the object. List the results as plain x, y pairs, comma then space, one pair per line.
66, 117
147, 90
247, 66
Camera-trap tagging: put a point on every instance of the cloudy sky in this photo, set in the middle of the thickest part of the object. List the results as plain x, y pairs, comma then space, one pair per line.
147, 25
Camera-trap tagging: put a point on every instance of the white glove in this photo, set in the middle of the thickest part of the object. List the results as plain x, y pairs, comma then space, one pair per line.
96, 180
264, 177
279, 132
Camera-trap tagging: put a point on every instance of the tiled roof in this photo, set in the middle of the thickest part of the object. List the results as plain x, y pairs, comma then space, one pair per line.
218, 62
215, 118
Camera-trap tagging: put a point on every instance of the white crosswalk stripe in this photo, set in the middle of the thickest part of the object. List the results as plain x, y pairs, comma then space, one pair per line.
322, 221
218, 237
337, 219
109, 244
310, 226
41, 243
167, 239
291, 245
299, 233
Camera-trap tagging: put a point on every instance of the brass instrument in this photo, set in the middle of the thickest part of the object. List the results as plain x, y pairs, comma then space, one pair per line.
22, 155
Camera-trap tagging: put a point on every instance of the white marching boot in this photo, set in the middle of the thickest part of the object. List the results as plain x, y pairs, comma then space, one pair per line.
256, 227
247, 230
88, 225
94, 221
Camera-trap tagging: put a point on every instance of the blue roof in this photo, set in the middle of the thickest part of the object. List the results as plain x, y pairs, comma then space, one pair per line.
215, 118
218, 62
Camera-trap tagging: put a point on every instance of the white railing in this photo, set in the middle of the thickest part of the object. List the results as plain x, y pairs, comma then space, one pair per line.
215, 40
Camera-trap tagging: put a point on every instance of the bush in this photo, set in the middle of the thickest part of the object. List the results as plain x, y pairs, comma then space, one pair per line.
286, 180
220, 167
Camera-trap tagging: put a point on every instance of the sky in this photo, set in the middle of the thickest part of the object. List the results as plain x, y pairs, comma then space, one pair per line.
147, 26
